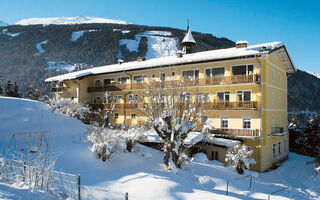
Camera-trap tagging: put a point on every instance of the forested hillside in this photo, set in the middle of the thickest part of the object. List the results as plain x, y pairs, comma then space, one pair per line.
29, 54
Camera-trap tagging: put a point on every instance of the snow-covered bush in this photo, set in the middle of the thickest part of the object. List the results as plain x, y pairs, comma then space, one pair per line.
32, 93
239, 157
69, 108
106, 141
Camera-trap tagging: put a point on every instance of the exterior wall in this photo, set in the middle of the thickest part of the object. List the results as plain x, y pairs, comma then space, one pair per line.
266, 94
211, 149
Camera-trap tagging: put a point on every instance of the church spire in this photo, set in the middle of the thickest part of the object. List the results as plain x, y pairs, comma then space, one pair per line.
187, 41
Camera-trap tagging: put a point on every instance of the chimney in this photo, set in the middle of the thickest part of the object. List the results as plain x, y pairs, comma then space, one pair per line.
140, 59
241, 44
120, 61
179, 54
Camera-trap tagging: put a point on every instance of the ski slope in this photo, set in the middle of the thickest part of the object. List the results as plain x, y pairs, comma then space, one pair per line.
141, 173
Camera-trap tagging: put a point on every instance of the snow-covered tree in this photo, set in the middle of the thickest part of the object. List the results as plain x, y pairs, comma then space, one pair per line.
239, 156
72, 109
15, 90
8, 88
173, 115
32, 93
106, 141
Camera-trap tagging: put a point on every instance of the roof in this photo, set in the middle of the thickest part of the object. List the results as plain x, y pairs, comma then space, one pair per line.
188, 38
206, 56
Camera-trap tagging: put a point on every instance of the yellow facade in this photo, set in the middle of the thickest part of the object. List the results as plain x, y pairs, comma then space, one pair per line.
266, 110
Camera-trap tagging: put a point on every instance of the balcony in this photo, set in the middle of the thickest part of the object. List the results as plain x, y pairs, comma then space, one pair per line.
118, 106
277, 131
59, 89
238, 132
255, 78
229, 105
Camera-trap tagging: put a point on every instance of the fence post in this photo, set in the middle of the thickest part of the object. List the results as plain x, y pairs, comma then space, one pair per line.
127, 196
24, 171
227, 188
268, 196
79, 187
250, 181
290, 193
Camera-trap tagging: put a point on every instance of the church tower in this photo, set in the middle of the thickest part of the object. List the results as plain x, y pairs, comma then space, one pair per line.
188, 41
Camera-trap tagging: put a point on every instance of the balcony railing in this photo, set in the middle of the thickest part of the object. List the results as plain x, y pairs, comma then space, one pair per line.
238, 132
59, 89
229, 105
254, 78
277, 130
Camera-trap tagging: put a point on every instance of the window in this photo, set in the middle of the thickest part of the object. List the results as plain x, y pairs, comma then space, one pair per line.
285, 146
133, 115
267, 155
274, 152
96, 100
162, 98
273, 74
279, 77
60, 84
185, 97
203, 97
242, 70
280, 99
223, 96
162, 76
108, 81
116, 115
153, 75
117, 99
244, 95
139, 79
279, 148
190, 74
224, 121
215, 72
123, 80
273, 98
246, 121
133, 98
214, 155
97, 83
173, 74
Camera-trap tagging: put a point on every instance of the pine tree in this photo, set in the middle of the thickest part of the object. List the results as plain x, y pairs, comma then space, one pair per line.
8, 89
15, 90
32, 93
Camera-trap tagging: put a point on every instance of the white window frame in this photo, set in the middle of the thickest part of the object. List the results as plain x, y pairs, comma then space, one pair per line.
165, 76
115, 99
95, 99
205, 71
242, 91
95, 82
224, 96
128, 78
247, 72
224, 118
246, 120
111, 80
201, 95
144, 76
194, 74
133, 98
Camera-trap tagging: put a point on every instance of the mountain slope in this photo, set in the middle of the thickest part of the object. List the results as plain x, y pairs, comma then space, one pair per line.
32, 53
68, 20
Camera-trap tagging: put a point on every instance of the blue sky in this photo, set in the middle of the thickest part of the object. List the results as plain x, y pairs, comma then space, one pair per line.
296, 23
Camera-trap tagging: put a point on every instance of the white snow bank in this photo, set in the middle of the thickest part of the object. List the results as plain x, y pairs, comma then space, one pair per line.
77, 34
5, 31
39, 47
69, 20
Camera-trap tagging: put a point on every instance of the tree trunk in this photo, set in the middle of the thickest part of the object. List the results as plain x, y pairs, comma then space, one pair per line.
167, 152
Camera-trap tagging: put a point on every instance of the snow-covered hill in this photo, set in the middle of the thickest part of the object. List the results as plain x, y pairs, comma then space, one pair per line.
69, 20
141, 173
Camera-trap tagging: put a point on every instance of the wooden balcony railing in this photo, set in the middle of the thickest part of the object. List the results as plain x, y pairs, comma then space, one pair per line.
254, 78
59, 89
238, 132
229, 105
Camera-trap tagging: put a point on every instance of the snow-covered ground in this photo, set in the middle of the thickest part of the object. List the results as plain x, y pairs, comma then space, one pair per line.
77, 34
160, 43
69, 20
5, 31
141, 173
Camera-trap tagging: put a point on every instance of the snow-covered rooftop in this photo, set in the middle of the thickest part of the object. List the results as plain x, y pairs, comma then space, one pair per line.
69, 20
174, 60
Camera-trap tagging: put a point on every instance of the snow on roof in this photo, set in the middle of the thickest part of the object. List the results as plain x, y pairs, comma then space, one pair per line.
68, 20
242, 42
172, 60
188, 38
193, 138
222, 141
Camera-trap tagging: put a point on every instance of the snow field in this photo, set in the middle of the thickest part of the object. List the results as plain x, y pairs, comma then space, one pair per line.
142, 173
